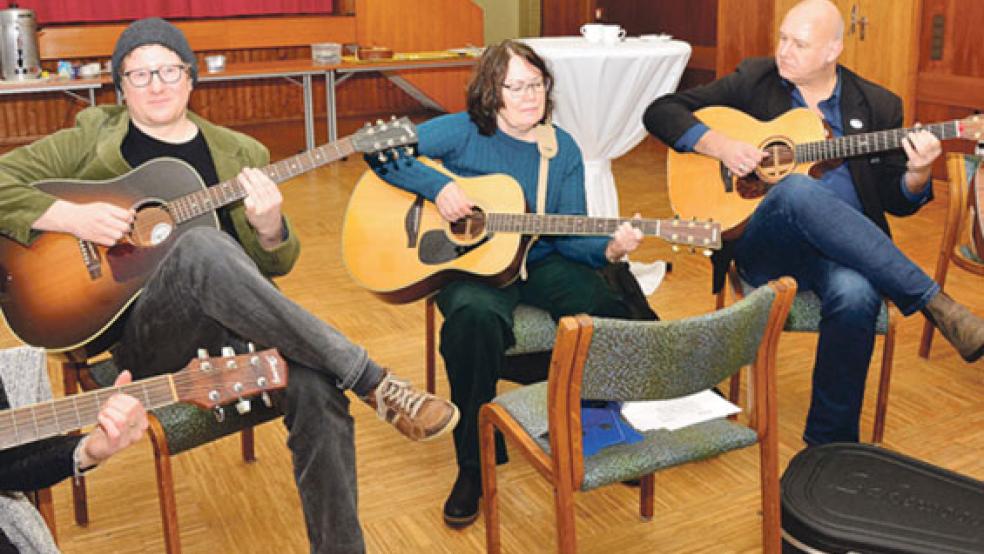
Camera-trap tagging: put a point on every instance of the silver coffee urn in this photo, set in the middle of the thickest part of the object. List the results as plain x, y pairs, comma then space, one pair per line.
19, 58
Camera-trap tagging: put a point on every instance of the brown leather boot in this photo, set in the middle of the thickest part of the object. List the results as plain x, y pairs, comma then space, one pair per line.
419, 415
964, 330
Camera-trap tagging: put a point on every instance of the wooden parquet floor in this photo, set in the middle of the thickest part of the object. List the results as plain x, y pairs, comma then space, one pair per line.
936, 413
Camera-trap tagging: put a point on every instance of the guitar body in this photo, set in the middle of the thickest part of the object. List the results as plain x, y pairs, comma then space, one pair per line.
50, 297
702, 187
399, 247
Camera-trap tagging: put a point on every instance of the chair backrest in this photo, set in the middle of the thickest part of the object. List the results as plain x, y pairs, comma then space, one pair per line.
976, 194
966, 197
635, 360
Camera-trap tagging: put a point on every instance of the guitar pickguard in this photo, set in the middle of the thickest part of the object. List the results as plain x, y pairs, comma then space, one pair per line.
435, 248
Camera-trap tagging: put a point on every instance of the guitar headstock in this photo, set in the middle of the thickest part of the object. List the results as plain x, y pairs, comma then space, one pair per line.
693, 234
386, 139
209, 382
972, 127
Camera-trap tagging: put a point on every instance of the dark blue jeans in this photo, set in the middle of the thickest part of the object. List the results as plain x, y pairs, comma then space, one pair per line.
208, 293
803, 230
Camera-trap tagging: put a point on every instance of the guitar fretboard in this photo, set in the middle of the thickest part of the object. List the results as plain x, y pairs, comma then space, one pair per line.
221, 194
866, 143
674, 230
47, 419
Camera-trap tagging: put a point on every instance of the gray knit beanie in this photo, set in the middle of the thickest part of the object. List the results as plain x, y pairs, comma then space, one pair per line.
152, 30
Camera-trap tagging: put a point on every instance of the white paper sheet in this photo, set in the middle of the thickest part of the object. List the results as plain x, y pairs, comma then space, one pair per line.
677, 413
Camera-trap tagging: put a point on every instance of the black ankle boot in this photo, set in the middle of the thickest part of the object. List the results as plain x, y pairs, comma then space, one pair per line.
963, 329
461, 508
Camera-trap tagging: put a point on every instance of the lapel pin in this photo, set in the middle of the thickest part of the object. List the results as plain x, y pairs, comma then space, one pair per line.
856, 123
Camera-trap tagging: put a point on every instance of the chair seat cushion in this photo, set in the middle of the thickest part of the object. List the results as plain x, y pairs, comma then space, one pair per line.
804, 315
534, 329
968, 252
187, 426
659, 449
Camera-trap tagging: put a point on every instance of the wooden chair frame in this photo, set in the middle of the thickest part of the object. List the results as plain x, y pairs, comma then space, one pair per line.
76, 376
957, 215
884, 376
564, 466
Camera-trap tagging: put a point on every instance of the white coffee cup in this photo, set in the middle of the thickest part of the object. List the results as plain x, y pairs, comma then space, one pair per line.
592, 32
611, 34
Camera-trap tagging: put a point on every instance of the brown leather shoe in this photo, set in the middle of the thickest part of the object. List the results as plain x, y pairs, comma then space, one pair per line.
963, 329
419, 415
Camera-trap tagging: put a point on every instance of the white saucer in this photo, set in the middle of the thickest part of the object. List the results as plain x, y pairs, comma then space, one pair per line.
655, 38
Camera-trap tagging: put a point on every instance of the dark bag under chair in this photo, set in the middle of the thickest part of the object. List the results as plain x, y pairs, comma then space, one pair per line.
841, 498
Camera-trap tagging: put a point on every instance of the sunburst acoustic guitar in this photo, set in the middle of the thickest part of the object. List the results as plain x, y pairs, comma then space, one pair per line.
702, 187
63, 293
398, 246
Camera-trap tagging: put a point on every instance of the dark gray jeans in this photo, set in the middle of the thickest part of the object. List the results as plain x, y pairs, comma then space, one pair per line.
208, 293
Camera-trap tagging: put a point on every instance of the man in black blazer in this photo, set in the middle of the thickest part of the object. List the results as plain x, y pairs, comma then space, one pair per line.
831, 233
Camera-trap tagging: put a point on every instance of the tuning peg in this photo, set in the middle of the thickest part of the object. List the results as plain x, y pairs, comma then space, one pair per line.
219, 413
392, 117
250, 347
203, 360
408, 150
382, 157
228, 352
243, 406
707, 252
202, 354
266, 399
675, 248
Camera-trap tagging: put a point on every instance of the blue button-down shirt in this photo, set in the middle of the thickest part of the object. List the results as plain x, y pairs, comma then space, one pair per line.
837, 180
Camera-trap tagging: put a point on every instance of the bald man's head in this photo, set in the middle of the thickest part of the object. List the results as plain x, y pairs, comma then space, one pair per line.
810, 41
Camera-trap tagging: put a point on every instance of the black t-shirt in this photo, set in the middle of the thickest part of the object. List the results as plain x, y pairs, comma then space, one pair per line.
139, 147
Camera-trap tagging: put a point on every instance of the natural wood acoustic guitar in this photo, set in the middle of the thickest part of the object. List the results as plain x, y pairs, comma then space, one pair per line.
398, 246
796, 142
205, 382
62, 293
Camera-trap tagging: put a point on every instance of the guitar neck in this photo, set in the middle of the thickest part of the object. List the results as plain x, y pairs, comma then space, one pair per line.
867, 143
56, 417
556, 224
222, 194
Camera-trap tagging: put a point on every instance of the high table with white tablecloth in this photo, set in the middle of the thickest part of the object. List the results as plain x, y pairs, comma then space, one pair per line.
600, 94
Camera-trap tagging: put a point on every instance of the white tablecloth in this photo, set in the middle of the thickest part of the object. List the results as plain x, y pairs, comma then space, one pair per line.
600, 94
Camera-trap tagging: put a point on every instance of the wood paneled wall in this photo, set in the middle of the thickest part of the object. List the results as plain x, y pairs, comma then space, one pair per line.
952, 85
404, 26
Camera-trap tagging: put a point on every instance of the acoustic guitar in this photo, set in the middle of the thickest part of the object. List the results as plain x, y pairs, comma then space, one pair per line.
703, 187
61, 293
397, 245
205, 382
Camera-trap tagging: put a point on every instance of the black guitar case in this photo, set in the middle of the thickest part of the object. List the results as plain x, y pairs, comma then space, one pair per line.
841, 498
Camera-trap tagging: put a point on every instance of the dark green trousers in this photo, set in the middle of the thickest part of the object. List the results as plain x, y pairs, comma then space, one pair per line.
477, 331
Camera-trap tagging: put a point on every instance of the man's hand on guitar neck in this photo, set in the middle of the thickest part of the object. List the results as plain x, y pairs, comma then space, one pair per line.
740, 157
98, 222
263, 205
922, 148
122, 422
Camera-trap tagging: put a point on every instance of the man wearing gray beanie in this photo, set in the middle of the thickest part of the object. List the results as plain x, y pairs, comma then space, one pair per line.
209, 283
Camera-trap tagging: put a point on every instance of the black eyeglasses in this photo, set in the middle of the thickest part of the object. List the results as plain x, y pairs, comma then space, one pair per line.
168, 74
519, 88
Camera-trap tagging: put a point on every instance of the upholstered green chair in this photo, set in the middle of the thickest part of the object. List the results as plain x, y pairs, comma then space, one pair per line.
804, 317
533, 328
619, 360
173, 429
957, 245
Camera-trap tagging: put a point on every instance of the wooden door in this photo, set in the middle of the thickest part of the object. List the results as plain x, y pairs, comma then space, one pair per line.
880, 44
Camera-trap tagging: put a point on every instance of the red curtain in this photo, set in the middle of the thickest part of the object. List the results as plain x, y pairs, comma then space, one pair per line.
77, 11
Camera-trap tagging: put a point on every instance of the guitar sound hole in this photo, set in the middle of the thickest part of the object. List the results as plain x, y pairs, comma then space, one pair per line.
779, 161
152, 226
469, 228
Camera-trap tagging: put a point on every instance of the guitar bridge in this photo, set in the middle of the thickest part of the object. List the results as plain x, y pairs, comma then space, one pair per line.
91, 258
